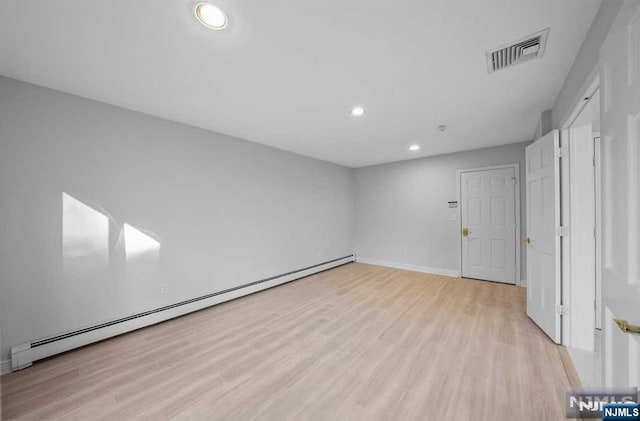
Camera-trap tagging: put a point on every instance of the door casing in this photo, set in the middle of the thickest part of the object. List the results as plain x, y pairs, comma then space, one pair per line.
590, 87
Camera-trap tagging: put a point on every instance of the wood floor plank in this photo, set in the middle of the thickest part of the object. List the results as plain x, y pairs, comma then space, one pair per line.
356, 342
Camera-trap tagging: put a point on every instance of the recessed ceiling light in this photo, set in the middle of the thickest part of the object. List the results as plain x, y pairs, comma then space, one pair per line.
357, 111
211, 16
414, 148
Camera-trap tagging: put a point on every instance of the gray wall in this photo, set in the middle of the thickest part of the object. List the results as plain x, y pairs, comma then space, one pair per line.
544, 125
224, 212
585, 61
402, 215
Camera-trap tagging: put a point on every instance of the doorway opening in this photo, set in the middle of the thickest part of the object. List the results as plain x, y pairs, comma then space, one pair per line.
581, 261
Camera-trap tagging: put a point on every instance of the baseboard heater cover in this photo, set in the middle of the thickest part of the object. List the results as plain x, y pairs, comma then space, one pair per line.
23, 356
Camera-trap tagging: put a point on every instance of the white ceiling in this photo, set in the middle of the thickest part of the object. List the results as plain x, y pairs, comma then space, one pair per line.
285, 73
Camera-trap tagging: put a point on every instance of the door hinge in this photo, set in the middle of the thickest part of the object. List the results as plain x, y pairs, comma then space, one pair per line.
562, 309
562, 231
561, 152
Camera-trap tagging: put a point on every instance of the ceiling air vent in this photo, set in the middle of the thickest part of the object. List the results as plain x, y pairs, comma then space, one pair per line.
525, 49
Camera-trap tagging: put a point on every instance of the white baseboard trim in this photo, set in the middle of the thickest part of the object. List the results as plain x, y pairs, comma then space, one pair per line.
407, 266
23, 355
5, 367
523, 283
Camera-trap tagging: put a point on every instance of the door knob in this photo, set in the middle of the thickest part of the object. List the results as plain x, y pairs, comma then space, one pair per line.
526, 240
465, 232
626, 327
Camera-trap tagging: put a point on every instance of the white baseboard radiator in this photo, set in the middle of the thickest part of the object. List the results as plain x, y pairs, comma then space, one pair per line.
24, 355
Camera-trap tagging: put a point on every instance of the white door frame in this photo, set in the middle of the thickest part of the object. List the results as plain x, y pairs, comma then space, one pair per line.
516, 167
597, 150
582, 236
589, 88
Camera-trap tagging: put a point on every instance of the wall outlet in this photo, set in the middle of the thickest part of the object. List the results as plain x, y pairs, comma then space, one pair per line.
454, 216
164, 288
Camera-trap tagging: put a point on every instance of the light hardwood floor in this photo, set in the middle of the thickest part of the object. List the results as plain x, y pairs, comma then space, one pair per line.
356, 342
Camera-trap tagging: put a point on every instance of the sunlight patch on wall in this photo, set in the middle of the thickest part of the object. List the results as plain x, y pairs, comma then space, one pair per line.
85, 236
143, 278
137, 243
111, 269
83, 291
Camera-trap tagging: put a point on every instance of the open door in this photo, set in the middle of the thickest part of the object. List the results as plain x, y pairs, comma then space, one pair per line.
543, 245
620, 141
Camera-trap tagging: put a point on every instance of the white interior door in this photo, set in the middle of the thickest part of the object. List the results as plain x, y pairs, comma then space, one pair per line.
543, 245
620, 138
582, 234
489, 224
